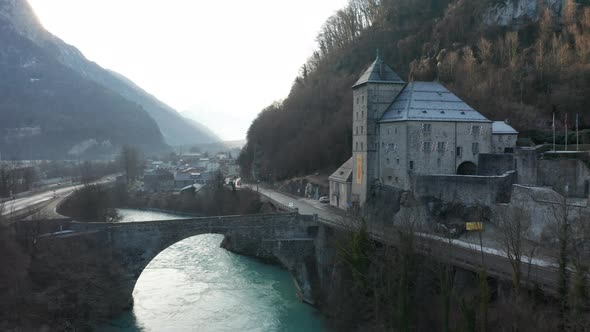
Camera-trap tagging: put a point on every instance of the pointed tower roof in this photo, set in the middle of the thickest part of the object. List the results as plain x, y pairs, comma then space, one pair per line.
378, 72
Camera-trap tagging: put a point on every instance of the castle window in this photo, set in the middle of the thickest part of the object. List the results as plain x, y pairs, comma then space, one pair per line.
382, 145
363, 114
387, 161
388, 131
427, 146
362, 99
397, 161
357, 146
362, 129
357, 101
459, 151
362, 146
411, 164
396, 130
438, 162
475, 148
356, 130
389, 178
475, 130
440, 147
426, 128
396, 179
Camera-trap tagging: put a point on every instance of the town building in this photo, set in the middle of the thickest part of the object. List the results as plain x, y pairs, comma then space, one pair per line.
340, 186
403, 130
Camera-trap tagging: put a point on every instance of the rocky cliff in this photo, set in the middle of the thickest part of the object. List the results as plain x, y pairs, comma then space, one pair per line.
518, 12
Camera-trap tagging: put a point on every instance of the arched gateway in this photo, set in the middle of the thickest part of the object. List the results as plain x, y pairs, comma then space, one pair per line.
467, 168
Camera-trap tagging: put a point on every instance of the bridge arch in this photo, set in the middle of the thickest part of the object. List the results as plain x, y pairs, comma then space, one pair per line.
283, 238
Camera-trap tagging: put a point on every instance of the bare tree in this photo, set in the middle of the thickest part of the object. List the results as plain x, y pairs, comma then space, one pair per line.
580, 259
514, 224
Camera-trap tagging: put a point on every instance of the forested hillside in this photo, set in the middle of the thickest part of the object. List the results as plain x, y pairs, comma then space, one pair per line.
519, 69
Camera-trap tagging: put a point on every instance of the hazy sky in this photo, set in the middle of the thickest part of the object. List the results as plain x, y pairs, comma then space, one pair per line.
222, 60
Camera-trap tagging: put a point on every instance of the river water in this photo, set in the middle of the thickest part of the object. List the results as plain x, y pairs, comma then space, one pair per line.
196, 286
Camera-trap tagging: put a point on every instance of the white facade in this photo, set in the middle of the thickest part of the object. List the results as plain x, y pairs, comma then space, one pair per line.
407, 148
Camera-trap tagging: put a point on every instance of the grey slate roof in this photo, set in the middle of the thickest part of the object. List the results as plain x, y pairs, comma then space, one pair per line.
344, 173
501, 127
378, 72
430, 101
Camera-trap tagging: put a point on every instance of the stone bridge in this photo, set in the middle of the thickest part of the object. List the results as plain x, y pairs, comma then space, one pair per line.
127, 248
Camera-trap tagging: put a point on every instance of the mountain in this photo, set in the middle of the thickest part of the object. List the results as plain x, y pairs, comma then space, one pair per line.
177, 129
48, 111
43, 69
515, 60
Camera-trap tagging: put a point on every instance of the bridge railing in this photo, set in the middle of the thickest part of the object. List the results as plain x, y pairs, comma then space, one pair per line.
274, 202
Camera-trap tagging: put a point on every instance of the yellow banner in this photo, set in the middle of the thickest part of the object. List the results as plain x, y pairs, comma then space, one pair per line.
474, 226
359, 169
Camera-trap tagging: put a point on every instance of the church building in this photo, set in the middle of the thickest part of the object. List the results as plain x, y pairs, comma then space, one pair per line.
404, 129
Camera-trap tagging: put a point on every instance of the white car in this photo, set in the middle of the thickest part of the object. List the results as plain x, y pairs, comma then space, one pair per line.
324, 199
291, 205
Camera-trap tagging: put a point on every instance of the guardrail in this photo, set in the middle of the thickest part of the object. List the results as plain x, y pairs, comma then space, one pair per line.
13, 216
497, 266
275, 202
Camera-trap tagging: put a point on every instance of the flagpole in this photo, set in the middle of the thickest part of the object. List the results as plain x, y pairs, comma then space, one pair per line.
577, 133
553, 131
566, 131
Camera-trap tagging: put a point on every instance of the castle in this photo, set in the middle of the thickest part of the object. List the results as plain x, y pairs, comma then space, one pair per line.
404, 130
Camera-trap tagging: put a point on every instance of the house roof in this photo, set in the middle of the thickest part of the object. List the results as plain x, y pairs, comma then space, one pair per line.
501, 127
430, 101
378, 72
344, 173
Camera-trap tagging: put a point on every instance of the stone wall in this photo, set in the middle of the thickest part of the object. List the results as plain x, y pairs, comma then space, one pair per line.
526, 166
495, 163
482, 190
546, 208
561, 173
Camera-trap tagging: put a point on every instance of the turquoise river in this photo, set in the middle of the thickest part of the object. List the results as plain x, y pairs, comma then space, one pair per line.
195, 285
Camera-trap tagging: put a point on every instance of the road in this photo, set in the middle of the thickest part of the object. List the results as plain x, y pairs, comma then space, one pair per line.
16, 205
459, 252
305, 206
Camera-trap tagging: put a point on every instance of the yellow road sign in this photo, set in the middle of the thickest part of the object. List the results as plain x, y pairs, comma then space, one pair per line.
474, 226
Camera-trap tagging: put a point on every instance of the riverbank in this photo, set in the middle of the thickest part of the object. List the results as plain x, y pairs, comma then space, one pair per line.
95, 203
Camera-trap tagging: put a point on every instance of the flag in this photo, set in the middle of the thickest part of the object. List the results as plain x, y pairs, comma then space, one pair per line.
577, 115
565, 120
553, 124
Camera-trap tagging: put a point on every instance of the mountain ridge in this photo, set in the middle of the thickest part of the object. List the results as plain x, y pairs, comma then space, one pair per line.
175, 128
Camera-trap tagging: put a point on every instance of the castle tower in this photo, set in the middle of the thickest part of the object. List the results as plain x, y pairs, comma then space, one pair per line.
372, 94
